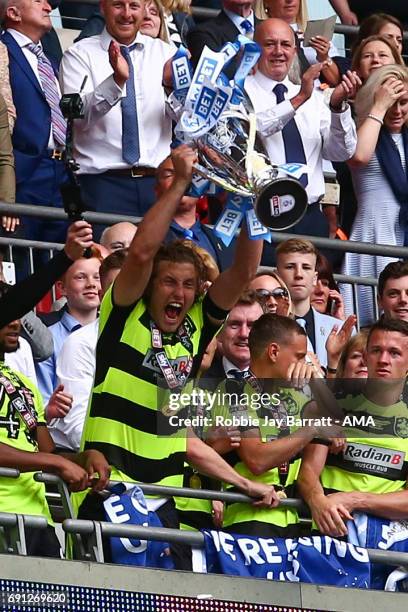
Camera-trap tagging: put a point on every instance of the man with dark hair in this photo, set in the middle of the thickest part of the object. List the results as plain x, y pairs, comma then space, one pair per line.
268, 451
154, 329
393, 290
370, 474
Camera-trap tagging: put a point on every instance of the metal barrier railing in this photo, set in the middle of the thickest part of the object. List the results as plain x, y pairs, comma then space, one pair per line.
14, 524
100, 529
350, 246
151, 489
109, 219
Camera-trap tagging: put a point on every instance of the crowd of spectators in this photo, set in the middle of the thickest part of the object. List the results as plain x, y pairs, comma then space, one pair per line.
165, 306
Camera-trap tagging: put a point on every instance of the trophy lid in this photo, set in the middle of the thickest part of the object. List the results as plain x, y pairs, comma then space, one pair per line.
281, 204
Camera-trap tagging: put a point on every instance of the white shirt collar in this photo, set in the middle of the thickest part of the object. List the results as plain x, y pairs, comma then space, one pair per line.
238, 19
228, 366
106, 39
268, 84
21, 39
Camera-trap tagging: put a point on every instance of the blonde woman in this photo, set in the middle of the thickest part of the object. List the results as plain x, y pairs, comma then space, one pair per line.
178, 20
372, 53
379, 170
153, 23
295, 13
272, 293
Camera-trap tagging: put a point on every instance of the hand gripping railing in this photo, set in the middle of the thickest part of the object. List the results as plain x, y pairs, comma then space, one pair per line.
92, 550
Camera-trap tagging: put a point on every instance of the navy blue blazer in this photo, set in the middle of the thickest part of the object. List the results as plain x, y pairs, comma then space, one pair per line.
32, 127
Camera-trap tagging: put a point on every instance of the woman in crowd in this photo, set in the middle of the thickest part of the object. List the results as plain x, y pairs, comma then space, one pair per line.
272, 293
372, 53
352, 364
326, 297
385, 25
5, 88
379, 171
153, 23
178, 20
7, 175
378, 24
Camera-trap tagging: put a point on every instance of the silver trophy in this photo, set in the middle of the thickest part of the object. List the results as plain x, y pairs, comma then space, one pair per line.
215, 115
231, 154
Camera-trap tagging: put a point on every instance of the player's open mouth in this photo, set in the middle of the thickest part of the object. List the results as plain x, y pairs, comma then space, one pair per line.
173, 310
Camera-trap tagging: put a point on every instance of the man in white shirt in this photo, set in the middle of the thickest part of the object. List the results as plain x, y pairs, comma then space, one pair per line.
295, 122
76, 366
125, 133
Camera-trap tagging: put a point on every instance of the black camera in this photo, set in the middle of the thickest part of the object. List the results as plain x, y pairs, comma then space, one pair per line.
71, 106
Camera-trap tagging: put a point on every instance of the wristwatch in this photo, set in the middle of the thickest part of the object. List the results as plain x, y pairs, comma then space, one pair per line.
339, 109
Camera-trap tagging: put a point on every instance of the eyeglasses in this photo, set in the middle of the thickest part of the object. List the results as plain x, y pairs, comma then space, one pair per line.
280, 293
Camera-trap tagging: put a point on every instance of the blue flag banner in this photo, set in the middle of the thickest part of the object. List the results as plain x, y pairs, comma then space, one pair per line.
128, 506
376, 532
318, 560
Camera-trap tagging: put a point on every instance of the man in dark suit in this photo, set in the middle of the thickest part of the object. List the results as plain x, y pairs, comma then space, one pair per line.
233, 358
236, 17
39, 131
185, 225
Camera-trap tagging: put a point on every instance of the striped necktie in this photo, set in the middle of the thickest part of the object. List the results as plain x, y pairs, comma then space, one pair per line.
49, 87
130, 128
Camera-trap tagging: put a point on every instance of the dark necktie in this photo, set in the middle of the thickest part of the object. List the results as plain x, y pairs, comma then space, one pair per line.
292, 141
237, 374
246, 25
49, 87
130, 128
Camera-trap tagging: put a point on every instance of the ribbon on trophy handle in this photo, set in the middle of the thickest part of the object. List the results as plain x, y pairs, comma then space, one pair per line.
214, 115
